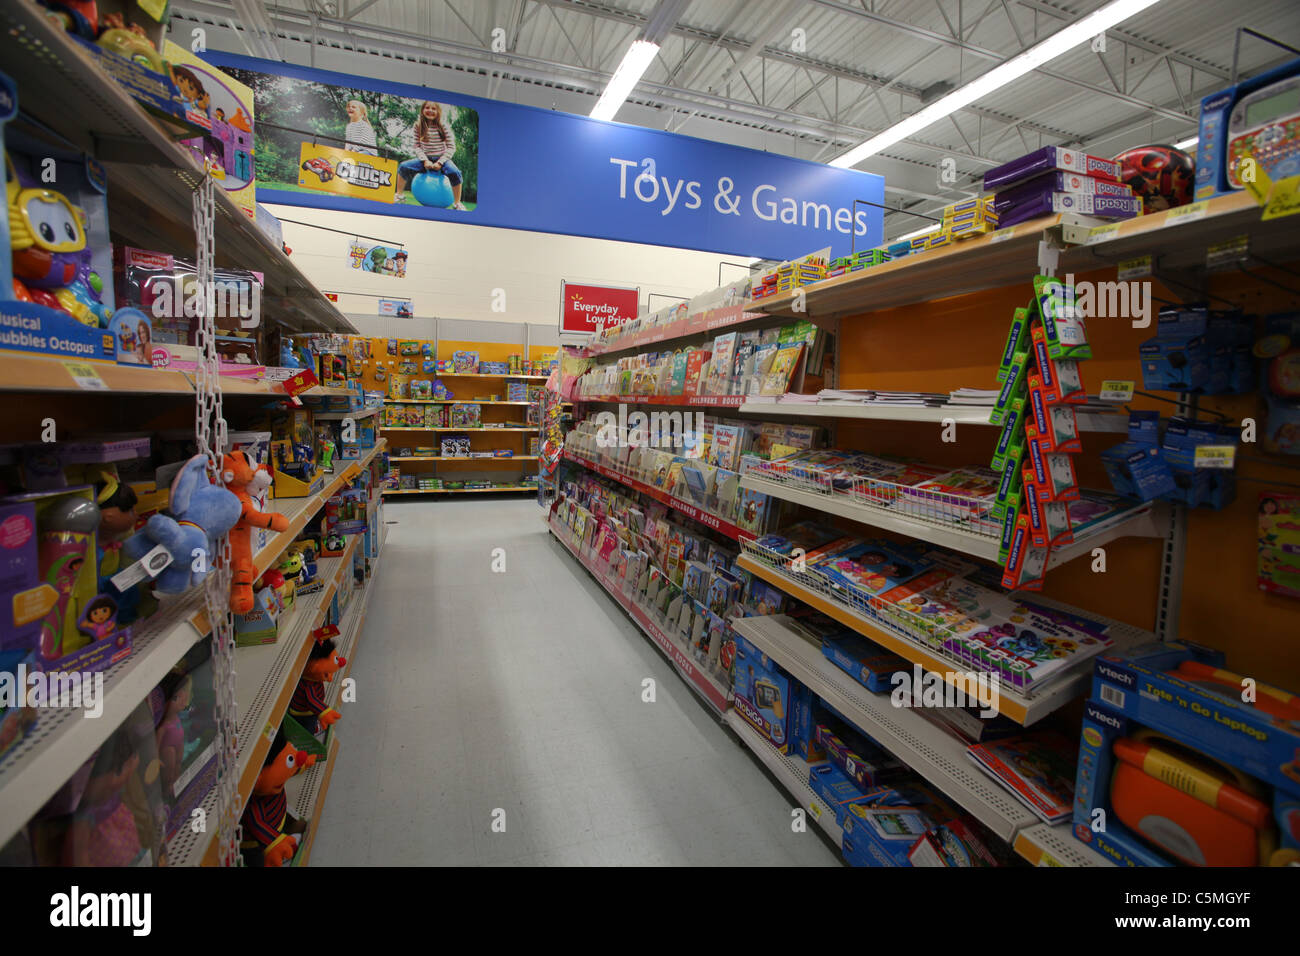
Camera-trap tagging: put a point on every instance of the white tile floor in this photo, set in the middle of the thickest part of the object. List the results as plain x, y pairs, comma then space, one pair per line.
521, 692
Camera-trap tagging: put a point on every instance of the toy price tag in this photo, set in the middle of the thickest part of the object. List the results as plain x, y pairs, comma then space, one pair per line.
815, 810
1226, 254
1002, 235
1102, 234
1215, 456
1191, 213
85, 375
1134, 268
145, 569
1046, 859
1116, 391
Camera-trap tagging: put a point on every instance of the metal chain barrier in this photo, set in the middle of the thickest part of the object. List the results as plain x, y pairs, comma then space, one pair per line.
210, 438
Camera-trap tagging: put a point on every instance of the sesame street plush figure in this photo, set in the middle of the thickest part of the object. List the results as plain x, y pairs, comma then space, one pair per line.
201, 513
269, 831
308, 704
248, 482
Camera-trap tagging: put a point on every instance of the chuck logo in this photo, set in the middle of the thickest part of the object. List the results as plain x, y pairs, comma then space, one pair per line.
75, 909
363, 175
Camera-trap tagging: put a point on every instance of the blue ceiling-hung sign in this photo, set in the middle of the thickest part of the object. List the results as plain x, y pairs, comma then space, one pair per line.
518, 167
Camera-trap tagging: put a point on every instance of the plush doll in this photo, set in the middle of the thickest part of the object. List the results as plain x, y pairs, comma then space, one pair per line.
247, 481
308, 703
269, 830
201, 513
103, 830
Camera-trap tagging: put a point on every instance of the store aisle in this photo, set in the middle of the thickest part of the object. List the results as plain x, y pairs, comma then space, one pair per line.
464, 709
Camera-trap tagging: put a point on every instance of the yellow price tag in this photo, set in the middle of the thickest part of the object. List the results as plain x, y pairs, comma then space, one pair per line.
816, 810
1214, 456
1101, 234
1284, 200
1134, 268
1190, 213
1048, 860
1116, 391
85, 375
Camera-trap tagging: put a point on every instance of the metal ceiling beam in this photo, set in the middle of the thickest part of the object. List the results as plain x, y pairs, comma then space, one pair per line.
604, 11
994, 56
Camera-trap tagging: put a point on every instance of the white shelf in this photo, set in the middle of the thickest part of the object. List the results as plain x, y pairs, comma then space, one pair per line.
340, 416
1089, 421
791, 770
1142, 520
936, 755
61, 740
305, 795
1024, 709
1047, 845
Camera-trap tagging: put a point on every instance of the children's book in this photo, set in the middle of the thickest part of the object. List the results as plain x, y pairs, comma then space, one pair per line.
869, 568
811, 536
784, 363
764, 356
720, 365
1038, 768
751, 510
728, 445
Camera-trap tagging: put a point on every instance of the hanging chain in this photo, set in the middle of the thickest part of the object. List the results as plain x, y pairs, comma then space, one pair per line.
210, 437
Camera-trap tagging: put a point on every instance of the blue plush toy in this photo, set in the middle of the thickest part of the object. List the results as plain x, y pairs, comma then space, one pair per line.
201, 513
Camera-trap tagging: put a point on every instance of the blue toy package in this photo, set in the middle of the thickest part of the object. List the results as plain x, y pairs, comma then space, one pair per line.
1136, 467
883, 828
856, 755
1183, 768
869, 664
763, 693
834, 789
805, 712
1178, 357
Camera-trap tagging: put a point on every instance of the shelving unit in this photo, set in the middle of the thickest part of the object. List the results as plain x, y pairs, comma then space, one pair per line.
1088, 421
680, 505
1023, 708
1142, 520
151, 178
265, 680
305, 794
713, 692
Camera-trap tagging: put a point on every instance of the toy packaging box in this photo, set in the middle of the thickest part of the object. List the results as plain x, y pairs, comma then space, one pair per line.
869, 664
834, 789
187, 735
763, 693
1183, 769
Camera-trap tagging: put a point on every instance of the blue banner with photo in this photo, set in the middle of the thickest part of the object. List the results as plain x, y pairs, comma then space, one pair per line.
482, 162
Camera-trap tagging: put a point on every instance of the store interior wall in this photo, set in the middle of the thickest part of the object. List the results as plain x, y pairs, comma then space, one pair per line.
481, 272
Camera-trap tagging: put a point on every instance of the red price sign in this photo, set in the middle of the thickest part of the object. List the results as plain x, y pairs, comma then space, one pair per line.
590, 308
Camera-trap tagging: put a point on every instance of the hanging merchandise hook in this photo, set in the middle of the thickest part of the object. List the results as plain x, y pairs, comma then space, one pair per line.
1260, 278
1170, 280
1221, 418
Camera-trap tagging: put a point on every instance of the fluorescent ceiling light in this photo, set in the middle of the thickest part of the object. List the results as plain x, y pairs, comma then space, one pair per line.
1060, 42
625, 78
1187, 143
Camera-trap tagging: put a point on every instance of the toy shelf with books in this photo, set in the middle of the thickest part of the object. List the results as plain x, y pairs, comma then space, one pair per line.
791, 770
1088, 421
912, 734
702, 677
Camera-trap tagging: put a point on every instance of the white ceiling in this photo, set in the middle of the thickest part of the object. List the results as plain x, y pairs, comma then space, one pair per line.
809, 78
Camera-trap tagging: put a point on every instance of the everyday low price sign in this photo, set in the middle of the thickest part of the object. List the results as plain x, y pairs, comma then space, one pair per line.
590, 308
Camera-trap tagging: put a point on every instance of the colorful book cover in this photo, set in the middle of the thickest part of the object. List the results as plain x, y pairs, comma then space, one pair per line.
1038, 768
695, 362
811, 536
678, 386
777, 379
742, 365
719, 377
868, 568
1278, 569
728, 443
764, 356
751, 510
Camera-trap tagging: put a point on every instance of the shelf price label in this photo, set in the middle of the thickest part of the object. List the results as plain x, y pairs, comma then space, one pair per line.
85, 375
1215, 456
1046, 859
1134, 268
1189, 213
1102, 234
815, 810
1226, 254
1116, 391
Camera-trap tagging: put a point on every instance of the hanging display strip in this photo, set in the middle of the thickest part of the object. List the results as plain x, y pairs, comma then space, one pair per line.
708, 688
719, 401
721, 525
630, 335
